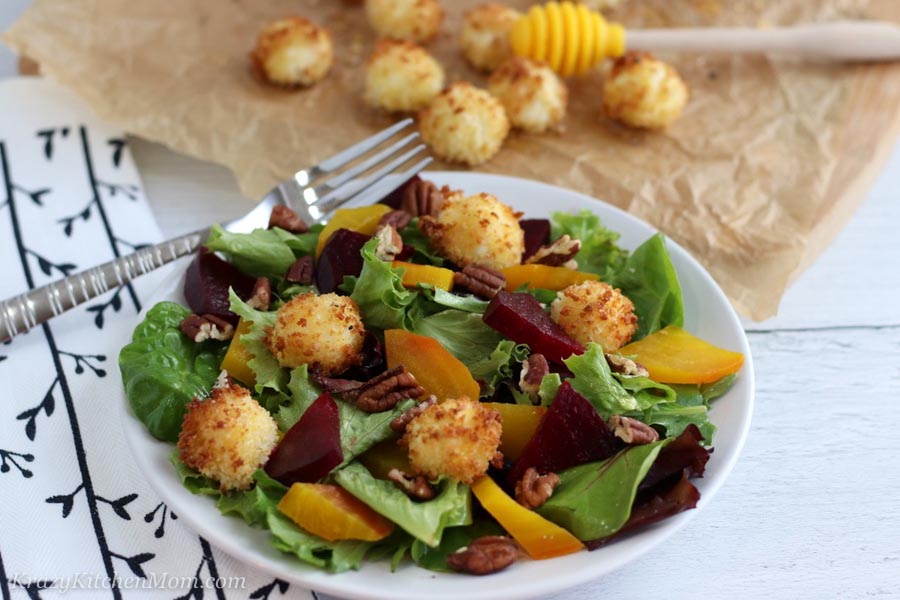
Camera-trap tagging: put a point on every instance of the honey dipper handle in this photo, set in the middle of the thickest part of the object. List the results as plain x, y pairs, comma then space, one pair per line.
845, 40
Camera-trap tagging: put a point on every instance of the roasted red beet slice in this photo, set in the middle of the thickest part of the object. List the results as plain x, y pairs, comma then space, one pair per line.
206, 285
340, 257
677, 498
311, 448
520, 317
570, 433
537, 234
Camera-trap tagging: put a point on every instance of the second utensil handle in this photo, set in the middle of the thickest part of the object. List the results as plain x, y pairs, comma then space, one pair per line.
845, 40
20, 313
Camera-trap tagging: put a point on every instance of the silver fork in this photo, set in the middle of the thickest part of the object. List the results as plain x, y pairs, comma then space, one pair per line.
313, 193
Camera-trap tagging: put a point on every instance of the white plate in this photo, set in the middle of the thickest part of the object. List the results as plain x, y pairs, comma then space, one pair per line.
708, 314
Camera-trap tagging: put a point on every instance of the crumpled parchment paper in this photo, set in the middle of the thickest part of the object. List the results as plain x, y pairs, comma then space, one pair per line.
770, 159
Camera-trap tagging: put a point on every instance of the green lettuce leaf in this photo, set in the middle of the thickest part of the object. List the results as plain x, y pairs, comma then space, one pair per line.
599, 252
689, 408
594, 500
263, 252
423, 255
379, 292
649, 280
454, 538
162, 370
253, 505
646, 391
443, 299
301, 394
594, 380
549, 387
269, 373
464, 334
193, 480
334, 557
718, 388
425, 521
498, 365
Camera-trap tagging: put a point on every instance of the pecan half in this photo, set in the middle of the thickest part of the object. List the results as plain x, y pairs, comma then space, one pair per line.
416, 487
626, 366
534, 368
533, 489
485, 555
390, 244
398, 219
400, 422
560, 253
498, 460
632, 431
384, 391
287, 219
302, 271
208, 327
480, 280
422, 198
261, 296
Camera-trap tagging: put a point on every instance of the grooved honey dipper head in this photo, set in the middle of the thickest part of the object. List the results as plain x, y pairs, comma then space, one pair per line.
569, 37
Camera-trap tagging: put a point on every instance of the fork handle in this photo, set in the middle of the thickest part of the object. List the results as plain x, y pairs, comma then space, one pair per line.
20, 313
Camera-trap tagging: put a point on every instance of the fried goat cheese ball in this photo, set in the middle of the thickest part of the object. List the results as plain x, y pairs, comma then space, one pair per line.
485, 35
641, 91
227, 436
456, 437
533, 96
476, 230
464, 124
593, 311
324, 331
401, 76
413, 20
293, 52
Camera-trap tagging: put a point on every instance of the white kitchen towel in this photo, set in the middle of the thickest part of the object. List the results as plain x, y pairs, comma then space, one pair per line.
75, 511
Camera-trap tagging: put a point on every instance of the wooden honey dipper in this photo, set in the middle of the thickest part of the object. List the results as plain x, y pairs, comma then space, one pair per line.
571, 39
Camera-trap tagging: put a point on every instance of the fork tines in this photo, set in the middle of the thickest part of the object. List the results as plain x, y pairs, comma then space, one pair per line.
365, 172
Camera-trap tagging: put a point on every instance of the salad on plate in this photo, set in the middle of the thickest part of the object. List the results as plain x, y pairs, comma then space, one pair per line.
432, 378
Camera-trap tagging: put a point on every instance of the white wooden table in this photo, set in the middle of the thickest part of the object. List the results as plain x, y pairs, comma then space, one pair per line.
811, 510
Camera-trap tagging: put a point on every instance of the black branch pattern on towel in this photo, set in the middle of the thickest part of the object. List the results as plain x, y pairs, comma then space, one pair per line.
54, 399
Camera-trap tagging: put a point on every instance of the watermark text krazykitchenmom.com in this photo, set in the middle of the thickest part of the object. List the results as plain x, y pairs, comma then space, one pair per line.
155, 581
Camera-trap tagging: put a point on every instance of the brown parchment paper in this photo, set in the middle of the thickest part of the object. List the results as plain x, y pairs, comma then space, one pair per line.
769, 161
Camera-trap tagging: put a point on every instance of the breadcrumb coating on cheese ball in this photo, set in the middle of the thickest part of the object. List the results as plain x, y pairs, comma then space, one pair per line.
485, 35
476, 230
456, 437
293, 51
401, 76
414, 20
644, 92
593, 311
464, 124
227, 436
534, 97
324, 331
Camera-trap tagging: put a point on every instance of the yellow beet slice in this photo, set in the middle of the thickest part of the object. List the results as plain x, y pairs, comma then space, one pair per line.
672, 355
539, 537
332, 513
416, 274
438, 371
237, 356
363, 219
544, 276
519, 424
